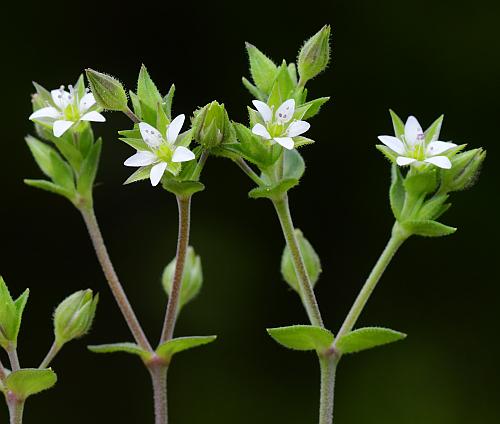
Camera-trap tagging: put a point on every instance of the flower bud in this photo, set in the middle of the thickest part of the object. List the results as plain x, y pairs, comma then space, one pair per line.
74, 316
464, 170
314, 55
211, 126
10, 315
192, 278
108, 91
311, 261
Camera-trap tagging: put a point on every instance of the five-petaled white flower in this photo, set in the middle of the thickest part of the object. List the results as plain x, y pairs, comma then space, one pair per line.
162, 151
412, 148
67, 109
278, 128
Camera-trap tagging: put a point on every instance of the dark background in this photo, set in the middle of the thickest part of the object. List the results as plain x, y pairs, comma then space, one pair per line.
418, 57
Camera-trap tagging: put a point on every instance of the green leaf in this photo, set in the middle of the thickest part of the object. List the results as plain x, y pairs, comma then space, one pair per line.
275, 191
367, 338
310, 109
148, 95
125, 347
302, 337
62, 174
171, 347
26, 382
397, 123
53, 188
136, 104
428, 228
139, 175
89, 169
397, 192
300, 141
136, 143
167, 102
41, 153
20, 304
294, 164
262, 68
254, 91
282, 88
432, 208
182, 188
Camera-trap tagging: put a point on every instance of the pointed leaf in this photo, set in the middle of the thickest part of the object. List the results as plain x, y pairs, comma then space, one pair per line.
29, 381
53, 188
367, 338
302, 337
171, 347
262, 68
428, 228
89, 169
397, 192
139, 175
125, 347
167, 102
275, 191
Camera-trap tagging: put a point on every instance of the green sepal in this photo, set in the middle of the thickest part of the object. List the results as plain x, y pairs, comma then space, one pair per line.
136, 143
303, 337
432, 208
274, 191
89, 170
167, 102
421, 182
11, 313
139, 175
388, 153
427, 228
30, 381
136, 104
397, 192
367, 338
251, 147
262, 68
148, 96
125, 347
282, 88
310, 109
182, 188
43, 93
171, 347
300, 141
432, 133
397, 124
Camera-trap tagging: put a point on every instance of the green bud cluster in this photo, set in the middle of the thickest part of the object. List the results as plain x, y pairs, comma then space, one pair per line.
11, 312
212, 127
108, 91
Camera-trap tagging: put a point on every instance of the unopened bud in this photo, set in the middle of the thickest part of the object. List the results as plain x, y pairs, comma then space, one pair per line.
192, 278
74, 316
11, 312
211, 126
108, 91
464, 170
311, 261
314, 55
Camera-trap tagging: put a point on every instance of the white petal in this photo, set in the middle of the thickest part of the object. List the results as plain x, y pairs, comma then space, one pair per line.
440, 161
157, 172
286, 142
86, 102
264, 110
60, 127
61, 98
174, 128
413, 131
261, 130
150, 134
438, 147
141, 158
297, 127
46, 112
402, 160
285, 111
182, 154
93, 117
393, 143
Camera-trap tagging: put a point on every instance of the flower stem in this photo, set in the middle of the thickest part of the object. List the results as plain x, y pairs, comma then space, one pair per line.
184, 205
249, 171
16, 409
306, 288
199, 166
159, 379
113, 281
399, 235
133, 117
2, 371
54, 350
328, 367
13, 358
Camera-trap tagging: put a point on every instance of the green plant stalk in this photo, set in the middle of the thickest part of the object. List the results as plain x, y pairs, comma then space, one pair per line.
328, 368
184, 206
112, 279
249, 171
16, 410
13, 358
51, 354
307, 292
2, 371
158, 373
199, 166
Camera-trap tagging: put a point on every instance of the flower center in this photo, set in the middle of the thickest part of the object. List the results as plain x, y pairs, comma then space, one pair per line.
276, 129
165, 153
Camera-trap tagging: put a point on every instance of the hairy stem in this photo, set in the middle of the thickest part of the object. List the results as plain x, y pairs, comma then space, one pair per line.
328, 367
113, 281
397, 238
13, 358
249, 171
133, 117
2, 371
199, 166
159, 379
184, 205
306, 288
51, 354
16, 409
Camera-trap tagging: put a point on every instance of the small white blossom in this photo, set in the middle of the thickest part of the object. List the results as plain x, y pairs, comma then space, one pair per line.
67, 109
412, 147
280, 127
162, 151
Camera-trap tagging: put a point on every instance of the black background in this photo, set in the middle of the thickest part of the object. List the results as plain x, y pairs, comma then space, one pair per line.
417, 57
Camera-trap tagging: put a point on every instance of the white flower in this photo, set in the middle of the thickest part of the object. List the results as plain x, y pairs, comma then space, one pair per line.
67, 109
162, 151
412, 147
279, 128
